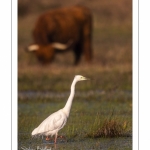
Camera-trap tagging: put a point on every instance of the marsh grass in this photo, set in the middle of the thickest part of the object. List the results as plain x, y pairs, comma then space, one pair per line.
90, 116
110, 127
61, 81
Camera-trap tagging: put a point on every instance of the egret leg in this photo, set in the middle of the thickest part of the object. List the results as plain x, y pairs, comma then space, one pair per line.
47, 138
55, 138
62, 137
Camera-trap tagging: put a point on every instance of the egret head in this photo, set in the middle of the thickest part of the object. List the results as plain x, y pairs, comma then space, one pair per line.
80, 78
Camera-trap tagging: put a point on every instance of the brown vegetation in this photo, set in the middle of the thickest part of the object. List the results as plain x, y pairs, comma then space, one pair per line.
110, 128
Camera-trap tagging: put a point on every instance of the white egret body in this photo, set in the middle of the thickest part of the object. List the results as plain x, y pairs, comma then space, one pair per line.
56, 121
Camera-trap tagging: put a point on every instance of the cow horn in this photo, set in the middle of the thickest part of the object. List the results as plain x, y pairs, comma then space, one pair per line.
33, 47
60, 46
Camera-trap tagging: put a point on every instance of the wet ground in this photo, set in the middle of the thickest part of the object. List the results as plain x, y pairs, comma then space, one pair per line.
30, 115
122, 143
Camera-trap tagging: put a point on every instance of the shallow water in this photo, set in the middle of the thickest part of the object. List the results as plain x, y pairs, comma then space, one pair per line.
122, 143
30, 114
51, 94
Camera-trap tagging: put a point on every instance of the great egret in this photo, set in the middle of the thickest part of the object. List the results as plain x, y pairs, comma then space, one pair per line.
56, 121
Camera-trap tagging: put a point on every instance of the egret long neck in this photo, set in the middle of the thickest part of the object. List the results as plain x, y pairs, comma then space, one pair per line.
70, 99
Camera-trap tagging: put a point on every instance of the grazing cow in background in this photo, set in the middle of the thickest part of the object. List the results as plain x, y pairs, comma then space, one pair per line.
62, 29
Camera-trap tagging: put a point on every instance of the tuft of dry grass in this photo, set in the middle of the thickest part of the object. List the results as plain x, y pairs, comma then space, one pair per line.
111, 128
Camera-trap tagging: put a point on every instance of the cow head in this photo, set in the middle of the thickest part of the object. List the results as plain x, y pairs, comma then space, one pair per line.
45, 53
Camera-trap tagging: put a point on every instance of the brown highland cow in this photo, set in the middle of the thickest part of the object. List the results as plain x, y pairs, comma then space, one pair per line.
62, 29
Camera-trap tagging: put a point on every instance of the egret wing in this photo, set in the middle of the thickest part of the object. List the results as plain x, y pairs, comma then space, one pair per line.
55, 121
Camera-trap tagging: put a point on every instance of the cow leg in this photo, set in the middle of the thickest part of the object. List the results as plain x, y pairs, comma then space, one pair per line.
87, 40
77, 52
87, 50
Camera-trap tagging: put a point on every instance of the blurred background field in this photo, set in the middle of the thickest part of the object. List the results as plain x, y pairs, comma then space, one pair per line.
112, 42
44, 89
112, 31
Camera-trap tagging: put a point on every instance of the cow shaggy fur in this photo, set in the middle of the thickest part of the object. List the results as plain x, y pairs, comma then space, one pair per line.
62, 29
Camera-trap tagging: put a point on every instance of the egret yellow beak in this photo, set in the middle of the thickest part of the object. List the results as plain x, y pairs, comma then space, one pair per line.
84, 78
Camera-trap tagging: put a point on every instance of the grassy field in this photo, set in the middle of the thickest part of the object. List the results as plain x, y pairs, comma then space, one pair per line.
101, 115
